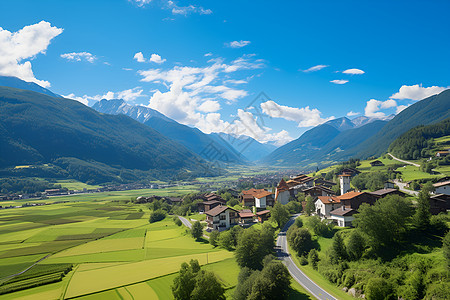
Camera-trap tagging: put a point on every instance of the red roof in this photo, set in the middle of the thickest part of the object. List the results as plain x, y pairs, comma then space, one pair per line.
329, 200
350, 195
253, 192
246, 214
263, 194
263, 212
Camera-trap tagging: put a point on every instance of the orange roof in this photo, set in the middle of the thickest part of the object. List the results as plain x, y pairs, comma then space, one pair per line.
329, 200
349, 195
253, 192
282, 185
263, 212
263, 194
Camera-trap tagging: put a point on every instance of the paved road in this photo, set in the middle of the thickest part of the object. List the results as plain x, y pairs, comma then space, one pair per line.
296, 273
189, 225
404, 161
401, 187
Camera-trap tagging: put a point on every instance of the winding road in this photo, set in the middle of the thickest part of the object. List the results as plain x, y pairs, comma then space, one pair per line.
189, 225
296, 273
404, 161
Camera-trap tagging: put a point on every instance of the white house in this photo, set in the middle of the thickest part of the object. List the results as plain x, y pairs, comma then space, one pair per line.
263, 199
442, 188
343, 216
282, 193
326, 204
221, 217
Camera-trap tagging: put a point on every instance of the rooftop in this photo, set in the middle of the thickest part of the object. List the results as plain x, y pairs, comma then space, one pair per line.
350, 195
329, 200
343, 211
439, 184
218, 210
383, 192
263, 212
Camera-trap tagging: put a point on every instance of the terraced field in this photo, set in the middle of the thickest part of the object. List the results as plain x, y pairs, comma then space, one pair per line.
114, 256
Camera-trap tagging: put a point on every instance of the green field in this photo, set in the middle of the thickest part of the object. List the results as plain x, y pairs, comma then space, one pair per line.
73, 184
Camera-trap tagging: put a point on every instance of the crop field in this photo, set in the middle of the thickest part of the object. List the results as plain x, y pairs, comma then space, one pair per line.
108, 250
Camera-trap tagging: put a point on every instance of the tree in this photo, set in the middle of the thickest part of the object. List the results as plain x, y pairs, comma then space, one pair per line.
446, 248
378, 289
300, 240
310, 206
298, 222
385, 221
279, 214
294, 207
338, 252
246, 280
320, 227
194, 283
273, 283
253, 245
157, 215
197, 230
422, 215
226, 240
207, 287
214, 238
355, 245
313, 258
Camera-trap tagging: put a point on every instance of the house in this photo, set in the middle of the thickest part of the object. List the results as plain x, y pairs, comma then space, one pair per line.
442, 153
343, 216
355, 199
299, 183
246, 216
318, 190
211, 196
221, 218
439, 203
323, 182
376, 163
326, 204
385, 192
442, 187
282, 193
263, 199
263, 215
349, 171
247, 197
344, 180
208, 205
173, 200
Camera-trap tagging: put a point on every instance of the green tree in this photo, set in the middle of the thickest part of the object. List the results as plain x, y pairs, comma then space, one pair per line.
246, 280
422, 215
378, 289
197, 230
313, 258
298, 222
446, 248
385, 221
184, 283
273, 282
157, 215
355, 245
214, 238
338, 251
226, 240
279, 214
310, 206
253, 245
300, 240
207, 287
294, 207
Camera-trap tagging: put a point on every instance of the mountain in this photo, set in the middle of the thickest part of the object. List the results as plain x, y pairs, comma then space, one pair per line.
247, 146
37, 128
195, 140
363, 120
17, 83
428, 111
341, 124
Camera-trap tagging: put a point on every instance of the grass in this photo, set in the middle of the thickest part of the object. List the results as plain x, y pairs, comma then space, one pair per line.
73, 184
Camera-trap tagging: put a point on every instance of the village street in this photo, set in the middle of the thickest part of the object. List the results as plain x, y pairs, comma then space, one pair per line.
296, 273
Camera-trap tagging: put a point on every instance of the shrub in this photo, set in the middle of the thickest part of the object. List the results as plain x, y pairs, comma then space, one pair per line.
298, 222
157, 215
378, 289
313, 258
214, 238
300, 240
197, 230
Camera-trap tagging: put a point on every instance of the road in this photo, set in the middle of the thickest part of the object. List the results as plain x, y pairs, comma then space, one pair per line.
189, 225
404, 161
401, 187
296, 273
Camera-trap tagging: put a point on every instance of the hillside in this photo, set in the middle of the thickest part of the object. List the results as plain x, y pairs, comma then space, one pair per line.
419, 142
192, 138
36, 128
14, 82
428, 111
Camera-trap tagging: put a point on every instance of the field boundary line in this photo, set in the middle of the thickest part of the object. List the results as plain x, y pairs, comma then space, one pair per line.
63, 294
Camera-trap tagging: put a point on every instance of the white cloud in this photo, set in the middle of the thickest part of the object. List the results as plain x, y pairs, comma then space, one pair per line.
352, 114
315, 68
15, 47
139, 57
354, 71
373, 108
400, 108
174, 8
156, 59
339, 81
208, 54
305, 117
237, 44
79, 56
417, 92
127, 95
209, 106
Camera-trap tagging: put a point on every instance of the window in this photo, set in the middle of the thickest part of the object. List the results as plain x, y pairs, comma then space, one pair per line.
223, 217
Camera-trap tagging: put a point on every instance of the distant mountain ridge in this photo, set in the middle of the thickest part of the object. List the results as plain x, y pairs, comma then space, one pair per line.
36, 128
200, 143
17, 83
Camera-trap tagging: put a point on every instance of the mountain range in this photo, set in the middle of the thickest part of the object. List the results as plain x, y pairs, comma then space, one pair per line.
36, 128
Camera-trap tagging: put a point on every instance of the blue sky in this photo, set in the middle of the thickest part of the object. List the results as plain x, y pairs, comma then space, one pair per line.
203, 62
